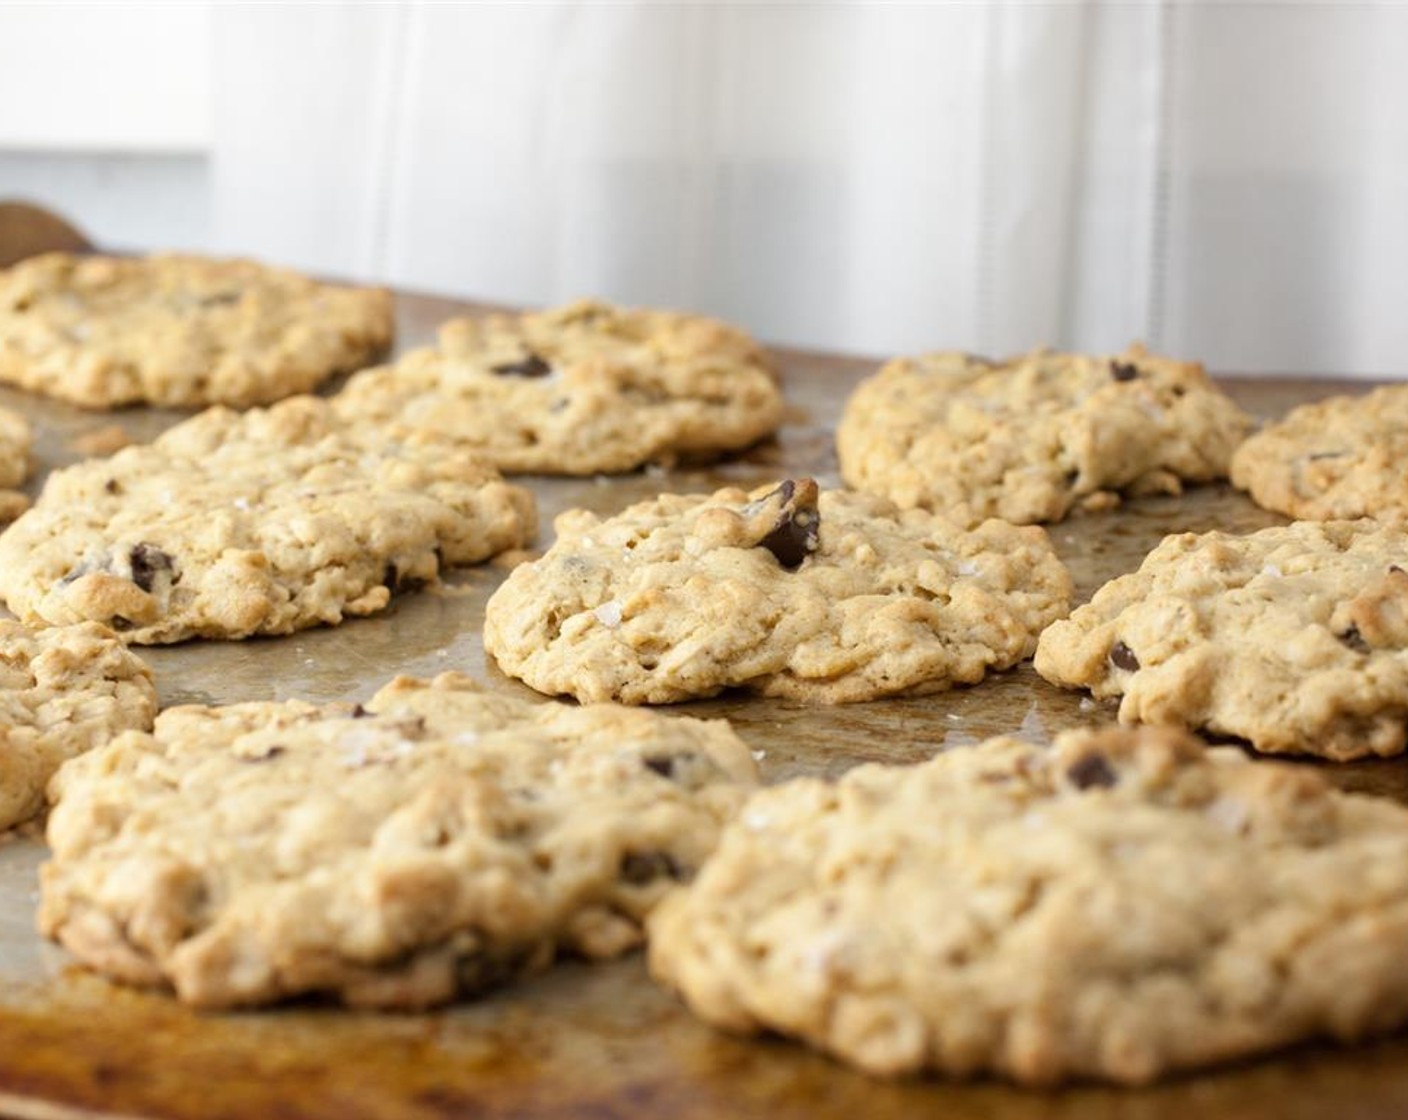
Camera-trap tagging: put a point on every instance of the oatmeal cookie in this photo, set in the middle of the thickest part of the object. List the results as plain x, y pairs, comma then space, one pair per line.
264, 522
63, 690
1293, 638
582, 389
821, 596
1344, 457
436, 842
1032, 438
1119, 906
15, 442
104, 332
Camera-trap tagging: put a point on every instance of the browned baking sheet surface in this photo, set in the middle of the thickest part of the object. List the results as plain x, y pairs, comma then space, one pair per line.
596, 1041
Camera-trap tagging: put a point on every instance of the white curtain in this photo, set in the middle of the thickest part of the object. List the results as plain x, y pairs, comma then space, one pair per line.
1227, 181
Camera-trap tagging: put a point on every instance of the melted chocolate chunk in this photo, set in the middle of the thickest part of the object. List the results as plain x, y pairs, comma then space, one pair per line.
1092, 770
1122, 657
640, 868
359, 712
531, 366
148, 562
393, 579
1395, 568
1354, 640
1123, 371
794, 536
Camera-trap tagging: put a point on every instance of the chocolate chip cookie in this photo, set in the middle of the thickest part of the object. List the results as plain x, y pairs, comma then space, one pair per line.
1119, 906
1032, 438
581, 389
265, 522
63, 690
436, 842
104, 332
788, 591
1295, 638
1338, 458
15, 442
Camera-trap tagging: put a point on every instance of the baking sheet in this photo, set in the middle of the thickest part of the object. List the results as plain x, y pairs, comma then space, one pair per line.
582, 1040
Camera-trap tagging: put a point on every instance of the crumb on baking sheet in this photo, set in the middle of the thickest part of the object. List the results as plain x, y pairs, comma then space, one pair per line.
98, 443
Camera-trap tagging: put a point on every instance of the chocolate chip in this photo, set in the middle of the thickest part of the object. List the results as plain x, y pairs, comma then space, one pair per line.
148, 562
1354, 640
118, 623
393, 579
664, 766
794, 537
1123, 371
531, 366
112, 486
359, 712
1122, 657
272, 752
1395, 568
1091, 770
480, 971
640, 868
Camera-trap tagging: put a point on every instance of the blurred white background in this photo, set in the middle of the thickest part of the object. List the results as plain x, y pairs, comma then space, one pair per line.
1227, 181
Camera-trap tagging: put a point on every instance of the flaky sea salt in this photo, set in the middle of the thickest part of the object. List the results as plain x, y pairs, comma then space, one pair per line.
609, 614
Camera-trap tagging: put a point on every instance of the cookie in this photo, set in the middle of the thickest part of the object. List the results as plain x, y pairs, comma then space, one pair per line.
15, 442
265, 522
1032, 438
434, 843
63, 690
1338, 458
1295, 639
581, 389
819, 596
1119, 906
104, 332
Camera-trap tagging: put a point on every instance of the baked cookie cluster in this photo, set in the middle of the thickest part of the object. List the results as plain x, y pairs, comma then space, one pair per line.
1119, 905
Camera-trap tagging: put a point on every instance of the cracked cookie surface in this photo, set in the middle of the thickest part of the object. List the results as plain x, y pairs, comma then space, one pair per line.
437, 841
1293, 638
263, 522
820, 596
175, 330
63, 690
1119, 906
580, 389
1333, 459
1031, 439
15, 443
